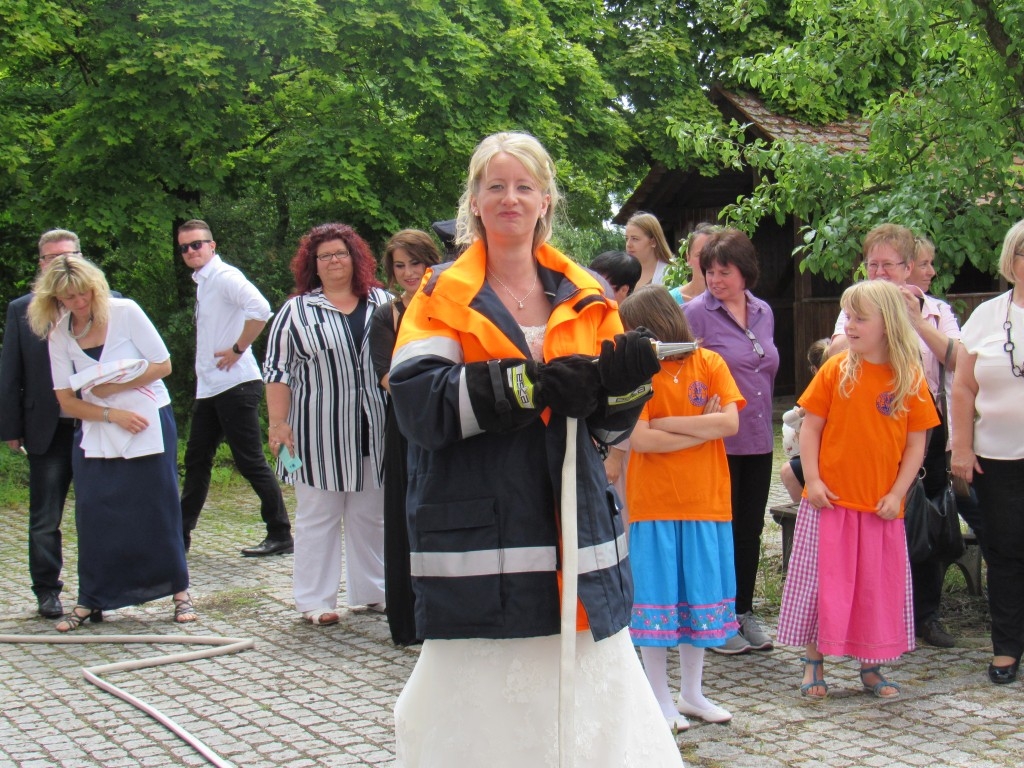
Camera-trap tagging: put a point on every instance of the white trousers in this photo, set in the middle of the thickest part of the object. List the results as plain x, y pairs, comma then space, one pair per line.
319, 518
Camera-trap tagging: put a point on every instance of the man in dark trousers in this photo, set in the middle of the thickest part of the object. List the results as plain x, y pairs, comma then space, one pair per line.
31, 422
230, 314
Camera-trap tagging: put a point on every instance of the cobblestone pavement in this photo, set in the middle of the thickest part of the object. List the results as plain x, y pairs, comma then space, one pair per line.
308, 696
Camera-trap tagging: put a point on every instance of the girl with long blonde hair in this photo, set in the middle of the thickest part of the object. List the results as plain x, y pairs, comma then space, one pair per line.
861, 445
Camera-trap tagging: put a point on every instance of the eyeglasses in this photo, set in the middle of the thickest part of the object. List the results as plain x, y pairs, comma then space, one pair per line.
885, 266
51, 256
753, 340
195, 245
340, 256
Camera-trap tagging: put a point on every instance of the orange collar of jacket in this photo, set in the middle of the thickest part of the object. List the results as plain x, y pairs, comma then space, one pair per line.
580, 318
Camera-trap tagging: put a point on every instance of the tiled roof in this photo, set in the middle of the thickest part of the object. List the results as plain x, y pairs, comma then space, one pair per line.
844, 136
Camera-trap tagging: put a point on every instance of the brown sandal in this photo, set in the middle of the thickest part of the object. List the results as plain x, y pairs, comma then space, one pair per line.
184, 611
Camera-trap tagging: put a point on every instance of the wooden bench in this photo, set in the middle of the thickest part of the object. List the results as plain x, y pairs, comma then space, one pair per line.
969, 563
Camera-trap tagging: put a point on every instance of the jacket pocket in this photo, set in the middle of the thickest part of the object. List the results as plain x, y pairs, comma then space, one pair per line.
456, 561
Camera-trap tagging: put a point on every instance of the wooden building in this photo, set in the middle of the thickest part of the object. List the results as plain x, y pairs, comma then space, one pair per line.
805, 305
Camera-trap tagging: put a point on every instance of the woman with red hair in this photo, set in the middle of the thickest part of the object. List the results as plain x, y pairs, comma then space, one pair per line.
326, 409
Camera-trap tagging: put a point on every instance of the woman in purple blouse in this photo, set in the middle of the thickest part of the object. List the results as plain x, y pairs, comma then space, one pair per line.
731, 321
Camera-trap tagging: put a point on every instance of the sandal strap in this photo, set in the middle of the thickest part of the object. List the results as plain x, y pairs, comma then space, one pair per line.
882, 682
817, 682
183, 605
74, 619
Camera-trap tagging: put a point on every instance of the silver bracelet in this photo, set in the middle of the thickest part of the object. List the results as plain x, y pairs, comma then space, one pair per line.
106, 415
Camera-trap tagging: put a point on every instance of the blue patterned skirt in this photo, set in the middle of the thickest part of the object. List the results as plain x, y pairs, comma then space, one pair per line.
684, 583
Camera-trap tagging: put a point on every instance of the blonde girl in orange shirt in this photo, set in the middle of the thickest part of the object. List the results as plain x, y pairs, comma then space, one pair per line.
861, 444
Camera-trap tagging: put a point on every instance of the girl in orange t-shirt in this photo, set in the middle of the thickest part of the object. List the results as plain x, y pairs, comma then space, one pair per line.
679, 496
861, 444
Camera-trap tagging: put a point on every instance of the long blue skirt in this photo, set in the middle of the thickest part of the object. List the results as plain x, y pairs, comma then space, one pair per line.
684, 583
128, 515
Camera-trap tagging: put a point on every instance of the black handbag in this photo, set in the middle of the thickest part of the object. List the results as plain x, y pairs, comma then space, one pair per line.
933, 524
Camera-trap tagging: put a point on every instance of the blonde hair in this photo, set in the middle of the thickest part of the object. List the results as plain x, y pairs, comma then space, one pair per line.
898, 237
66, 274
923, 247
1013, 246
651, 227
528, 151
904, 352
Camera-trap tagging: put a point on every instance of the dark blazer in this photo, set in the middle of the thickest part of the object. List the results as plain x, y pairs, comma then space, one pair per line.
28, 406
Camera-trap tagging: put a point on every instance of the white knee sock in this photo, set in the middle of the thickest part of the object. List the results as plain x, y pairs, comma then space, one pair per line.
656, 668
691, 671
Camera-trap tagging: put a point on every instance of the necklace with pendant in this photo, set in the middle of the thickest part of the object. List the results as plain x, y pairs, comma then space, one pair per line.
675, 376
521, 302
80, 334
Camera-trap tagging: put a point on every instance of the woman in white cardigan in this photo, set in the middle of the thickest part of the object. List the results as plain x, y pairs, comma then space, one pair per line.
127, 509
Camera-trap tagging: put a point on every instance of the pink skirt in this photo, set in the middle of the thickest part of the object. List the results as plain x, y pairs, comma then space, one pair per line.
859, 602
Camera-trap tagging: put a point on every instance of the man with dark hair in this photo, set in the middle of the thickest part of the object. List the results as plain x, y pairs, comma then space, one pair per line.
230, 314
31, 422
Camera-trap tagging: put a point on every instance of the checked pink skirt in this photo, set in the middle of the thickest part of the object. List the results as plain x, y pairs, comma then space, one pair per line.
848, 585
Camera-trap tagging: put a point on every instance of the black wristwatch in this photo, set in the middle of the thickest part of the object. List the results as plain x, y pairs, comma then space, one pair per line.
236, 350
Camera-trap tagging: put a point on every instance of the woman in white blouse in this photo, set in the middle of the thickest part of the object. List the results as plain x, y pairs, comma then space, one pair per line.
325, 407
127, 510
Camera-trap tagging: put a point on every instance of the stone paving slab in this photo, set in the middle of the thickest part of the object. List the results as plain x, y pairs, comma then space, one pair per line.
323, 696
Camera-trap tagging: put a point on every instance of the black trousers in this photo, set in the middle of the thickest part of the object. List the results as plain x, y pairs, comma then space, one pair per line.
231, 416
751, 478
49, 478
1000, 488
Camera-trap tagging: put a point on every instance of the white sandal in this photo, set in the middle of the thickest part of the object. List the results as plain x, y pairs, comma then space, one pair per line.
321, 617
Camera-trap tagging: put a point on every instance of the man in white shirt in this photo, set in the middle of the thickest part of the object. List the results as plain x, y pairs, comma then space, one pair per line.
230, 314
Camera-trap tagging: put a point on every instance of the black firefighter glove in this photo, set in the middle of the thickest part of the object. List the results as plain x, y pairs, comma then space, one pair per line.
571, 385
626, 367
508, 394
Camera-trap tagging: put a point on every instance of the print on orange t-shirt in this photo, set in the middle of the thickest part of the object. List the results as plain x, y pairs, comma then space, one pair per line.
691, 484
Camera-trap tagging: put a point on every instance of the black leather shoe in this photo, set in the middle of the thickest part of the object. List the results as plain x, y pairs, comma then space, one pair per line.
270, 547
49, 605
1003, 675
935, 634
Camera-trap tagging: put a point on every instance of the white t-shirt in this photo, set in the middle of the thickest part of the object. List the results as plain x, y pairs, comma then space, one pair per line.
999, 413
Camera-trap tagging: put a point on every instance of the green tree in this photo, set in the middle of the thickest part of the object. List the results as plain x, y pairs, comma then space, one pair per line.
663, 56
940, 87
119, 120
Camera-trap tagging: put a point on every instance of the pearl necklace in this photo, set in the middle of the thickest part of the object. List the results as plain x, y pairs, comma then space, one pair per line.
521, 302
83, 332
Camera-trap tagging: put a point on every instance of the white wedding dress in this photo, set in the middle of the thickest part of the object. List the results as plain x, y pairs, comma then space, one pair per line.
494, 704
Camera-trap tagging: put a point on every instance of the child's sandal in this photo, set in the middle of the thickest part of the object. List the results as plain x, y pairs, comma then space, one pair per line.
817, 681
881, 685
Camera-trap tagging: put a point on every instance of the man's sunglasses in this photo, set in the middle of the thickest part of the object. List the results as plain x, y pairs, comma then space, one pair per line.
195, 245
